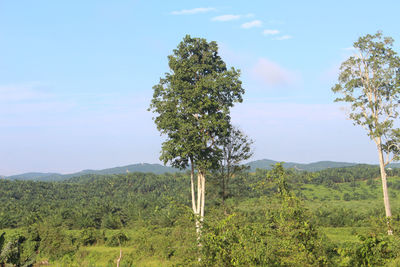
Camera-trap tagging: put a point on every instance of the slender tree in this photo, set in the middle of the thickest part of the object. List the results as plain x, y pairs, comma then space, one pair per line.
370, 82
236, 148
192, 103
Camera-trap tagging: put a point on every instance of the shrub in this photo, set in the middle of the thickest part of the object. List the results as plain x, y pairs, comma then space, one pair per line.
117, 239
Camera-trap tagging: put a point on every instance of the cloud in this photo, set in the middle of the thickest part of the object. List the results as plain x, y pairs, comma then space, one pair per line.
251, 24
228, 17
283, 37
272, 74
193, 11
270, 32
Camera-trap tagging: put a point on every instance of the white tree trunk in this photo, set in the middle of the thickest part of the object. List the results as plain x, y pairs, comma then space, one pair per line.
199, 212
192, 186
203, 192
120, 257
384, 184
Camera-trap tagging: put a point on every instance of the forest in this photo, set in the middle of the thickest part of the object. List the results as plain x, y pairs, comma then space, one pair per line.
278, 217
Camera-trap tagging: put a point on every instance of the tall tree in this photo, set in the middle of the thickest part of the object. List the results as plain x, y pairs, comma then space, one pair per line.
236, 148
370, 82
192, 103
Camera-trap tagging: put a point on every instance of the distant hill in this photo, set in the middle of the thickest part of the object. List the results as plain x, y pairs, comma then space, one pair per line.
311, 167
160, 169
394, 165
37, 176
141, 167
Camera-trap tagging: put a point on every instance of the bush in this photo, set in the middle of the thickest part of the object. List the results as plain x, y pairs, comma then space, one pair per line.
374, 250
117, 239
90, 236
286, 237
346, 197
55, 243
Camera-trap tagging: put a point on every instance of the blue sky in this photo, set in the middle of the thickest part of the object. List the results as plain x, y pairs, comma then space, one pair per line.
76, 77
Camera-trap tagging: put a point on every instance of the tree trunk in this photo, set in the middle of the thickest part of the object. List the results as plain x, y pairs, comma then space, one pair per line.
223, 185
384, 185
228, 176
120, 253
120, 257
203, 193
192, 185
198, 208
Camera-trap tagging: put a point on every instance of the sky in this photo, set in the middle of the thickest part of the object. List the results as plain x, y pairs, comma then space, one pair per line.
76, 77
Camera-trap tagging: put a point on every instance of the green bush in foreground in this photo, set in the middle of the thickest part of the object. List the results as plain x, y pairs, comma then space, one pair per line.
286, 237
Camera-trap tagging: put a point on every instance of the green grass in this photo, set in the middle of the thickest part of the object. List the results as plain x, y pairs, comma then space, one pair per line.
340, 235
103, 256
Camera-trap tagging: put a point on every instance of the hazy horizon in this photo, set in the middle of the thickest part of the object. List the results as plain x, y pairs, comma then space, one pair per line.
124, 165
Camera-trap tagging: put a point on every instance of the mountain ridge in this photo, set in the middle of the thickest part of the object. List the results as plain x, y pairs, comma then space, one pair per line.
160, 169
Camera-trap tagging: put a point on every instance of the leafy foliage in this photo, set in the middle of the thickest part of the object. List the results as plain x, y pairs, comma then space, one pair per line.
286, 236
192, 103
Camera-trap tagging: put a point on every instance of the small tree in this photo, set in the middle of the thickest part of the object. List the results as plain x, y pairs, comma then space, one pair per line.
236, 148
193, 104
370, 82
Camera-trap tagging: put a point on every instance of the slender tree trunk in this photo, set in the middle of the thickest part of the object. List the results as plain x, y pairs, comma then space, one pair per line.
196, 205
203, 193
120, 253
199, 210
223, 185
384, 185
228, 176
120, 257
192, 186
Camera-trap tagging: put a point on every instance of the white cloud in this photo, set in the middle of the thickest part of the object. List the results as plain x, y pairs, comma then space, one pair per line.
228, 17
251, 24
270, 32
283, 37
193, 11
272, 74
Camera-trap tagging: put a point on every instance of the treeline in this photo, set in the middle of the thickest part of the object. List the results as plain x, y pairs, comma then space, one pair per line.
115, 201
350, 174
109, 201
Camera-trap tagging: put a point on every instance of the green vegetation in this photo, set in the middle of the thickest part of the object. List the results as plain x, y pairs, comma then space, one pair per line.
326, 220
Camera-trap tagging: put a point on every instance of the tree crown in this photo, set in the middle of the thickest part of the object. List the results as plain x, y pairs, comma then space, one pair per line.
192, 103
370, 81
